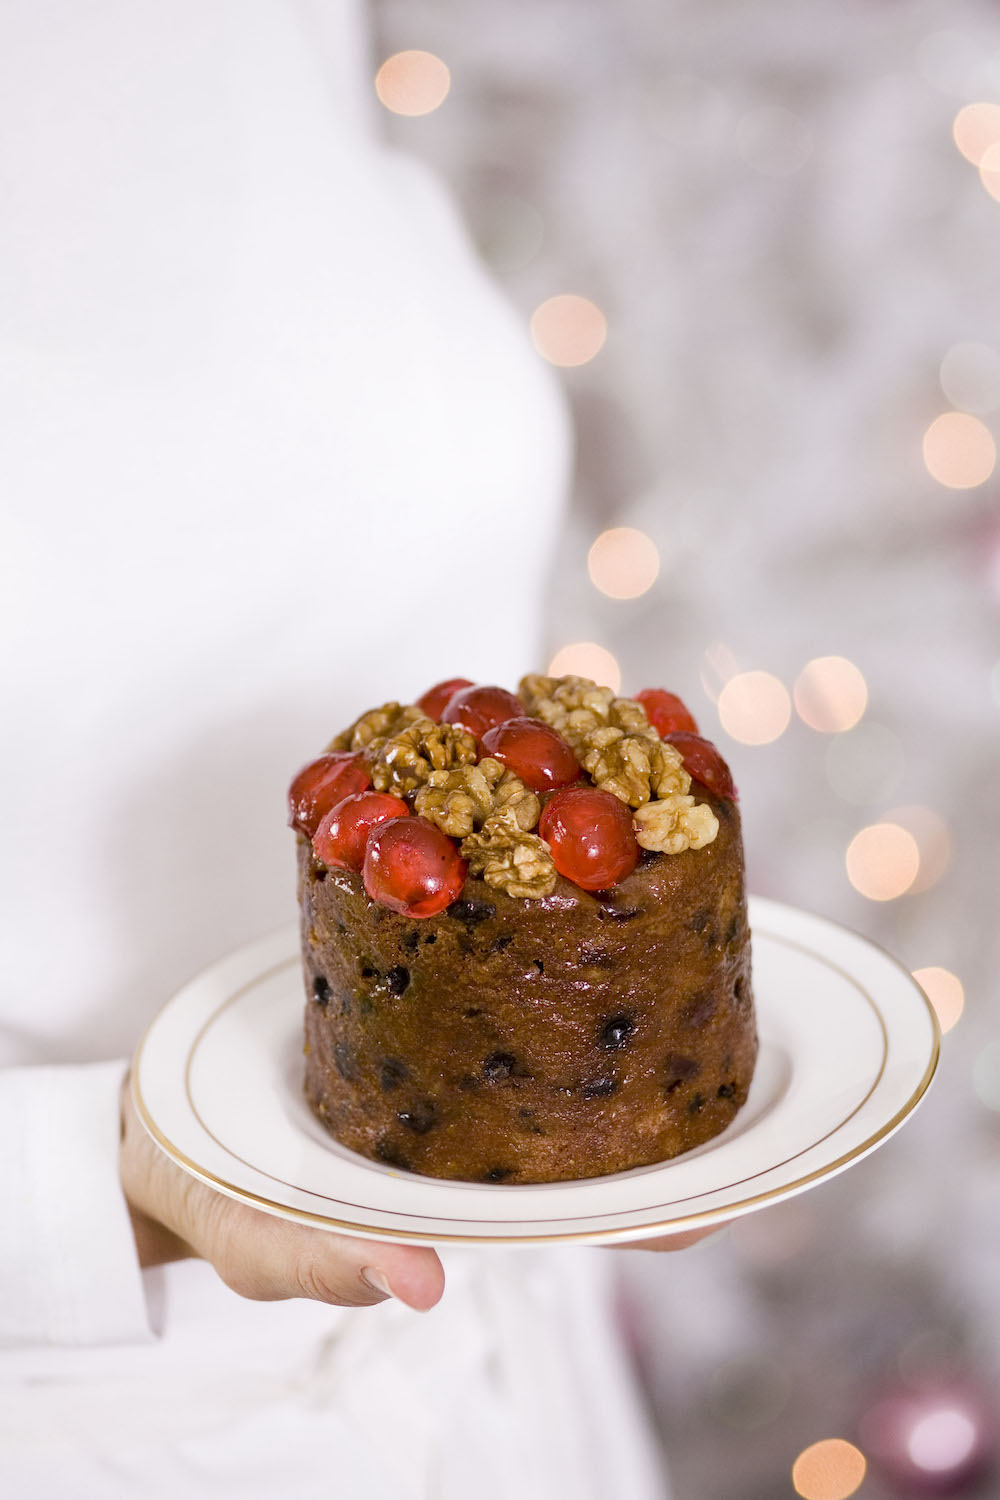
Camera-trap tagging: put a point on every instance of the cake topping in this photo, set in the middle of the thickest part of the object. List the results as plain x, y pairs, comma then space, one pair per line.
509, 859
672, 824
591, 838
406, 759
375, 727
320, 785
470, 761
343, 833
435, 700
665, 711
704, 763
535, 752
413, 868
477, 709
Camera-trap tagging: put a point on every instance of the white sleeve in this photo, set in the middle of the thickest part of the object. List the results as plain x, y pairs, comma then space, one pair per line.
69, 1271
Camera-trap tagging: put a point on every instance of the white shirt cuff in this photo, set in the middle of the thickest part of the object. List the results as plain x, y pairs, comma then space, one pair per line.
68, 1264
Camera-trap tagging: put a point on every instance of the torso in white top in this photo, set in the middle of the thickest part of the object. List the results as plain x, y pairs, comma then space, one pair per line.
275, 451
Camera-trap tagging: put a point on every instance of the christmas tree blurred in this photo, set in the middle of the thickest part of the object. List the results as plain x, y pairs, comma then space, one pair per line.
762, 239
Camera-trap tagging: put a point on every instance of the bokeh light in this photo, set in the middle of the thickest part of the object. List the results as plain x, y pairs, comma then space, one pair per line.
829, 1470
933, 841
830, 694
412, 83
718, 664
865, 765
989, 171
944, 990
568, 330
976, 128
959, 450
986, 1076
882, 861
942, 1441
587, 659
754, 708
970, 377
623, 563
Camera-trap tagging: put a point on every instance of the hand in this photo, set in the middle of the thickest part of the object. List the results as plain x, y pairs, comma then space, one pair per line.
256, 1254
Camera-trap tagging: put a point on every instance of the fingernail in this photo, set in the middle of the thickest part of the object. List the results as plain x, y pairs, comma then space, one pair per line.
377, 1280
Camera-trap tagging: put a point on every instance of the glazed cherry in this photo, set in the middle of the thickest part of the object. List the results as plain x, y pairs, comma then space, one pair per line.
591, 837
534, 752
343, 833
477, 709
665, 711
413, 868
321, 784
435, 700
703, 763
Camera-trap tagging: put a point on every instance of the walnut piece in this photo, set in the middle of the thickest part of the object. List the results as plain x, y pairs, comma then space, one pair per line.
406, 759
460, 799
634, 768
671, 824
457, 801
510, 860
373, 728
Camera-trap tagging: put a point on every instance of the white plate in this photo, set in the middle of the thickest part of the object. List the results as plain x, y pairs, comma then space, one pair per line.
848, 1046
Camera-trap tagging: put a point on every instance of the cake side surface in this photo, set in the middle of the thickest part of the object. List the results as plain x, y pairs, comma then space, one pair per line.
519, 1041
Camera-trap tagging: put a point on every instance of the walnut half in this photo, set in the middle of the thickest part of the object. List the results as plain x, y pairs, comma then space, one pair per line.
672, 824
510, 860
405, 761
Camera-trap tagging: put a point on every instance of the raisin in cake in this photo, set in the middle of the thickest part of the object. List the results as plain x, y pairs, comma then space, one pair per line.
524, 933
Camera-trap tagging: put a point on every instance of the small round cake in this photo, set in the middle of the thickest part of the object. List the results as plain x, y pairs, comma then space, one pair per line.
524, 932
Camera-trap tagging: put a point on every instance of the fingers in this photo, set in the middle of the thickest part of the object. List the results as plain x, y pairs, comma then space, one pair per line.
269, 1259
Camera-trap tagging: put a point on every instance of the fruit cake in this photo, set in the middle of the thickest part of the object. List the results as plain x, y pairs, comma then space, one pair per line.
524, 933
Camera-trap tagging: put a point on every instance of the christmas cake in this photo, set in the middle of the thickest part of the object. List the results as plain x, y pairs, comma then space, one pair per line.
524, 933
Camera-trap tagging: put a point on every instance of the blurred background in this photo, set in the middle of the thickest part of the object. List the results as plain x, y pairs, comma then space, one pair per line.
761, 241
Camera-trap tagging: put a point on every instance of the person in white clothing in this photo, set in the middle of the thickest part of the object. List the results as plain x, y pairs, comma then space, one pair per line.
274, 449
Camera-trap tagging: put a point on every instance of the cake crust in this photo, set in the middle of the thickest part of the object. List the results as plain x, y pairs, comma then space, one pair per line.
518, 1041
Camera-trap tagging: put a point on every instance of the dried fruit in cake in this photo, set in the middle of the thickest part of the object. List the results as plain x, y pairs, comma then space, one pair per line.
665, 711
321, 784
703, 763
537, 754
412, 867
591, 837
477, 709
435, 700
342, 835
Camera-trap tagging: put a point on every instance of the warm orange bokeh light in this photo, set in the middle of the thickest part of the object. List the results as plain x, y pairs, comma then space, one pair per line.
568, 330
944, 990
976, 128
623, 563
989, 171
412, 83
882, 861
959, 450
830, 694
754, 708
933, 838
587, 659
829, 1470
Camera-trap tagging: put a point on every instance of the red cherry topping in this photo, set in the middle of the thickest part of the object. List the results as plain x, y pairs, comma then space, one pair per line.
665, 711
703, 763
534, 752
436, 698
591, 837
477, 709
341, 837
321, 784
413, 868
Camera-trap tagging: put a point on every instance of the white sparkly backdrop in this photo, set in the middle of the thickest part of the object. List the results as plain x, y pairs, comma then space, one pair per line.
766, 201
